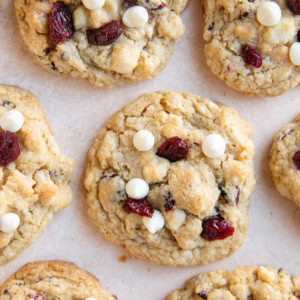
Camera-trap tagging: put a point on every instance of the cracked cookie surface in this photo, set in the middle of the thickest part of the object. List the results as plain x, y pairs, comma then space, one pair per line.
243, 283
52, 280
285, 161
37, 183
189, 194
137, 54
232, 24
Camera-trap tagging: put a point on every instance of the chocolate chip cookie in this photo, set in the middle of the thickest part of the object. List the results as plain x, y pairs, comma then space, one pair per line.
52, 280
243, 283
109, 43
34, 175
253, 46
285, 161
169, 177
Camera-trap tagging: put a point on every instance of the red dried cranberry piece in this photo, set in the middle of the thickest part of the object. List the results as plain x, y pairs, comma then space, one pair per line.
237, 197
128, 3
173, 149
296, 159
202, 295
105, 35
216, 228
60, 23
9, 147
141, 207
294, 6
169, 202
252, 57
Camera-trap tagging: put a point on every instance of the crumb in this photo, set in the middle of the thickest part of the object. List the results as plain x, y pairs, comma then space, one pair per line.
123, 259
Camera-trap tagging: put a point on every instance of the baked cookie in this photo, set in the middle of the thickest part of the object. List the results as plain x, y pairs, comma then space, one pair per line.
243, 283
108, 42
34, 175
253, 45
285, 161
169, 176
52, 280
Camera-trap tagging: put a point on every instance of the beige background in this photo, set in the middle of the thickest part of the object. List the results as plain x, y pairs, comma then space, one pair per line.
75, 109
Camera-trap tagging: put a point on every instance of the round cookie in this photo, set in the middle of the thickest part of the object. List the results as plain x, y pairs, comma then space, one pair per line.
53, 280
257, 282
34, 175
285, 161
96, 44
251, 56
171, 203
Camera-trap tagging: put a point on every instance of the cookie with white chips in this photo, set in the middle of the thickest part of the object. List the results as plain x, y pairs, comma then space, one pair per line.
51, 280
169, 176
254, 45
107, 42
34, 175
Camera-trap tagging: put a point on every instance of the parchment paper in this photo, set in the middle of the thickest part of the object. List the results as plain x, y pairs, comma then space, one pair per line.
76, 109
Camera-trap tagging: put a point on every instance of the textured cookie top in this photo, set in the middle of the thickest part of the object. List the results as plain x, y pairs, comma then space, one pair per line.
53, 280
35, 183
96, 44
251, 57
285, 161
243, 283
195, 210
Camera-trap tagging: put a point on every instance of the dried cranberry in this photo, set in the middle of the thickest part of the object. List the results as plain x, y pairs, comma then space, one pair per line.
9, 147
141, 207
169, 202
298, 36
251, 56
60, 23
251, 1
173, 149
294, 6
237, 197
216, 228
296, 159
128, 3
202, 295
105, 35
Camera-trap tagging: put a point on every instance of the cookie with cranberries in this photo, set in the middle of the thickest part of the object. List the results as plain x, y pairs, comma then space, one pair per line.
47, 280
285, 161
169, 177
244, 282
34, 174
107, 42
253, 46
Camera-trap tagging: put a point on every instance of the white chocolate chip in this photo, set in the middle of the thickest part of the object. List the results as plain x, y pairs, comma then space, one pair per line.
12, 120
295, 54
143, 140
269, 13
80, 17
137, 188
176, 219
9, 222
155, 223
135, 16
214, 146
93, 4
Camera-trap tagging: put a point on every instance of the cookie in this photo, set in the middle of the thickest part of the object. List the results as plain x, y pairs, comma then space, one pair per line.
53, 280
257, 282
253, 45
108, 42
169, 177
34, 175
285, 161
